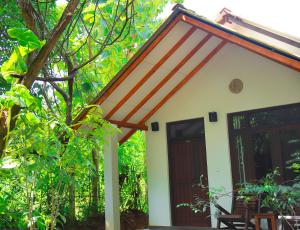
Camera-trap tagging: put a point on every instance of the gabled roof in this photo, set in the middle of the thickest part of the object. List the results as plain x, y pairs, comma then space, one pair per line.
252, 29
180, 48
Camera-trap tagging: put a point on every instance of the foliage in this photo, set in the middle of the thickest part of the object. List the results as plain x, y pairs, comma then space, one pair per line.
294, 163
199, 204
10, 17
279, 198
133, 174
39, 165
16, 64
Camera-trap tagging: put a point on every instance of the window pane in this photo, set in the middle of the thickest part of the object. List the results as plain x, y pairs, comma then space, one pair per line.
261, 154
290, 144
186, 130
240, 150
239, 122
263, 140
279, 116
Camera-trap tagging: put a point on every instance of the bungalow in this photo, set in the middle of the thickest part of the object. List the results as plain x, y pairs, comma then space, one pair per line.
220, 104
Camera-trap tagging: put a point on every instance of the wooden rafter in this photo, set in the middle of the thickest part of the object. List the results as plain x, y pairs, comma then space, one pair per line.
139, 60
122, 124
294, 64
177, 87
129, 70
168, 77
223, 34
151, 72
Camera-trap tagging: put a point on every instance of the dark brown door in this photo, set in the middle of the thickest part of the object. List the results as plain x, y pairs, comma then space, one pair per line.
188, 169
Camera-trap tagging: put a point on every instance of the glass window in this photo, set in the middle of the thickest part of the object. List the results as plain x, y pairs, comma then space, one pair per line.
290, 147
262, 140
186, 130
261, 154
240, 151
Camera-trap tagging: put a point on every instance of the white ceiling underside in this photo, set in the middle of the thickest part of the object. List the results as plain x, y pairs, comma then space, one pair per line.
173, 36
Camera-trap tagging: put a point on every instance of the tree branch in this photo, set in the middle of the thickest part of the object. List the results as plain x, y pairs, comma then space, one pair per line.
52, 79
55, 86
28, 14
60, 90
69, 103
44, 93
40, 60
108, 37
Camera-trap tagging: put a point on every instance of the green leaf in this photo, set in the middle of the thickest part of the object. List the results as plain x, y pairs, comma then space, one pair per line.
8, 163
89, 18
14, 65
25, 38
86, 86
20, 95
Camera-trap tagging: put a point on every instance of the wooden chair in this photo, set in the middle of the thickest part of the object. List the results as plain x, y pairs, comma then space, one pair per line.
241, 214
289, 222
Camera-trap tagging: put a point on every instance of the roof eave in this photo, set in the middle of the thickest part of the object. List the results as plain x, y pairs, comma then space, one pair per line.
177, 13
162, 27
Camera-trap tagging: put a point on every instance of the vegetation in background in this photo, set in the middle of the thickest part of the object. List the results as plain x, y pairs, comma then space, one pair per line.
54, 59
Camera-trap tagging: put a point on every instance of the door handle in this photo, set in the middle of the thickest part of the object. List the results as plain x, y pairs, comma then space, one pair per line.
200, 184
200, 179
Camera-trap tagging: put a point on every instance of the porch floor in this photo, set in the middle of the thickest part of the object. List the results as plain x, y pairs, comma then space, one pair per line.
179, 228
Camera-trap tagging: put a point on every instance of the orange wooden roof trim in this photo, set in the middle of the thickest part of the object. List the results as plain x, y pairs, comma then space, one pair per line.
294, 64
177, 87
168, 77
159, 35
122, 124
139, 60
182, 15
151, 71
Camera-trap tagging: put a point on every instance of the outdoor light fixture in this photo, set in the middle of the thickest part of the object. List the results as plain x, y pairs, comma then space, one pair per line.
154, 126
213, 116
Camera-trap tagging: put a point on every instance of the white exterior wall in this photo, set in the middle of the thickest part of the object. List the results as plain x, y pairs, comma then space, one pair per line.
266, 84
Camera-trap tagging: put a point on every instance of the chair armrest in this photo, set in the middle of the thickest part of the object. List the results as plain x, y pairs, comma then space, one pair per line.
222, 210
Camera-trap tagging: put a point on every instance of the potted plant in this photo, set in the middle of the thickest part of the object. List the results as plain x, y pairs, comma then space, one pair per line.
279, 198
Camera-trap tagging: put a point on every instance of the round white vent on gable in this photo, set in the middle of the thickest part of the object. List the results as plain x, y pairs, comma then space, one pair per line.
236, 86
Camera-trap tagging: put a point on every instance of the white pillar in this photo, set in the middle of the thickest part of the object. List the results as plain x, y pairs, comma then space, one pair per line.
111, 182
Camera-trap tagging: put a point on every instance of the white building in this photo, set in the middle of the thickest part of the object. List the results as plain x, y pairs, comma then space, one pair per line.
226, 102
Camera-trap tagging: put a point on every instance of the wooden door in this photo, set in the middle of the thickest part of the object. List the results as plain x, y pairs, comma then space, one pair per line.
188, 168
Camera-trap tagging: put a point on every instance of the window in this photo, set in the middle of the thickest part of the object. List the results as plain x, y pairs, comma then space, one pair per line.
262, 140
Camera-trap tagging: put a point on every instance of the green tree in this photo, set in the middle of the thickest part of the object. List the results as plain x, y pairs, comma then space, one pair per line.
63, 54
66, 42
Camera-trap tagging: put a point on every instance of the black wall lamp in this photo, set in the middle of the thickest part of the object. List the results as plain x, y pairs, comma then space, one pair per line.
213, 116
155, 126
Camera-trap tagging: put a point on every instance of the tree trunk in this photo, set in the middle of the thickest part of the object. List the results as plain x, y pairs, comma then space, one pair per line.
7, 122
72, 203
3, 131
37, 64
95, 184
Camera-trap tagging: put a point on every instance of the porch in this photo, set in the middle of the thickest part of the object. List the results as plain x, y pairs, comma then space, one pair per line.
178, 228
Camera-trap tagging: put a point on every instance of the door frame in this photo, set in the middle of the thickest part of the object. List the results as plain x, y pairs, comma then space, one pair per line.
168, 125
